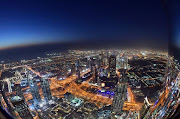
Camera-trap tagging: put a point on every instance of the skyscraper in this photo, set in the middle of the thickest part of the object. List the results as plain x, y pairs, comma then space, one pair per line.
21, 107
78, 65
18, 91
87, 63
46, 89
112, 66
94, 74
120, 95
34, 90
73, 69
98, 81
79, 79
2, 91
144, 108
79, 74
92, 63
123, 62
101, 59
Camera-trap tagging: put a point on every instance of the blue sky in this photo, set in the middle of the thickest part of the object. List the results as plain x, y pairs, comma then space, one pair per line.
40, 21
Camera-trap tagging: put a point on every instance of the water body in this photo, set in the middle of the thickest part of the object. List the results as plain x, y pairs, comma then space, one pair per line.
29, 52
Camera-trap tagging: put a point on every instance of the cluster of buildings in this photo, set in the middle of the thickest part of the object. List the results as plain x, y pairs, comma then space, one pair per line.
17, 98
111, 72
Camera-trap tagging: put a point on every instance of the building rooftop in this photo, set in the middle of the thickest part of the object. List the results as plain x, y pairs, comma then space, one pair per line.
16, 99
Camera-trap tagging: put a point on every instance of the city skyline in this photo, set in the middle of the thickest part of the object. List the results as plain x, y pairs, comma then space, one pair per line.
90, 59
96, 84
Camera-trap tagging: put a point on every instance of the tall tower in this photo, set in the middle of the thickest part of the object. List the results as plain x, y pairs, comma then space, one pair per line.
145, 108
78, 65
65, 71
2, 91
21, 107
25, 71
34, 91
101, 59
94, 74
18, 76
120, 95
87, 63
112, 66
19, 93
46, 89
73, 69
92, 64
98, 81
124, 62
79, 74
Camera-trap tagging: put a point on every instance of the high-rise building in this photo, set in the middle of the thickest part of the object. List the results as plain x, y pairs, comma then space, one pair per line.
123, 62
73, 69
144, 108
21, 107
25, 72
98, 81
102, 59
120, 95
34, 90
92, 63
18, 76
46, 89
112, 66
78, 65
2, 91
79, 74
79, 80
17, 88
95, 74
87, 63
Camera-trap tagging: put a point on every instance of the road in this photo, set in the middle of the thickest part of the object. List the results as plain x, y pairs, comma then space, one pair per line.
60, 87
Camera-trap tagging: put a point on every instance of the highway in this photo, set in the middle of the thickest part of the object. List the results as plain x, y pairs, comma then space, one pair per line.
60, 87
69, 85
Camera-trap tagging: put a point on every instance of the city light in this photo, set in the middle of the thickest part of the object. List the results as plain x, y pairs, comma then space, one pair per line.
135, 85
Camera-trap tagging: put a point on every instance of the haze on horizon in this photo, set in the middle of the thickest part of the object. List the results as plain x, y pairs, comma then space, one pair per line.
90, 23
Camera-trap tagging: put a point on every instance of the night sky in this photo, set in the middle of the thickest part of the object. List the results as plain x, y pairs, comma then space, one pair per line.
174, 14
173, 8
91, 23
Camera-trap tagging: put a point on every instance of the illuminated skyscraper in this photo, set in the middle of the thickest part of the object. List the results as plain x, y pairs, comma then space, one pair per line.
98, 81
92, 63
21, 107
87, 63
79, 80
120, 95
78, 65
112, 66
144, 108
123, 62
73, 69
18, 91
46, 89
2, 91
94, 74
34, 91
102, 59
79, 74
